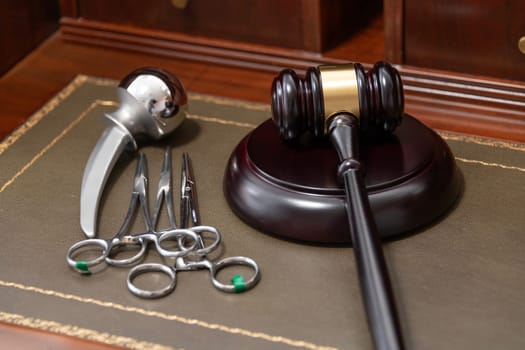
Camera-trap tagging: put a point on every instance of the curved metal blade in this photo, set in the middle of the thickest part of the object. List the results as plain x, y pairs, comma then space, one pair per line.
108, 149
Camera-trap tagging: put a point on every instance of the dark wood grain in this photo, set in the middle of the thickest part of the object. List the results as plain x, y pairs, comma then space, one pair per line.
465, 36
68, 8
310, 25
367, 44
393, 16
24, 25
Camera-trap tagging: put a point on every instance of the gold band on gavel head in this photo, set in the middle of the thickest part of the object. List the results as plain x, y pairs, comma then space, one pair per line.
340, 91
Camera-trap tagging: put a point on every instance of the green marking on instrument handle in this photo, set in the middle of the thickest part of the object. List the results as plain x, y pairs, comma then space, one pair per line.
239, 285
83, 267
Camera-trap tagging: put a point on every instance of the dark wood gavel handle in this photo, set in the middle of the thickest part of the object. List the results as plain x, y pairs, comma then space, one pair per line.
374, 281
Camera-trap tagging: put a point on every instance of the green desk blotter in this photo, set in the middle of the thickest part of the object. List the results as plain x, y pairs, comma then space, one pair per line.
458, 284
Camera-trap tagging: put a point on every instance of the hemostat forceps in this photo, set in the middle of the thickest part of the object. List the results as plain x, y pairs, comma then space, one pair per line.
196, 259
139, 198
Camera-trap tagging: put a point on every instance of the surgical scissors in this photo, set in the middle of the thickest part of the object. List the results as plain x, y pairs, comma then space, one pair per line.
123, 238
197, 258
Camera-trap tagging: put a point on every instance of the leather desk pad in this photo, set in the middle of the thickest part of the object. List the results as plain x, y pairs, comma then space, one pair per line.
459, 283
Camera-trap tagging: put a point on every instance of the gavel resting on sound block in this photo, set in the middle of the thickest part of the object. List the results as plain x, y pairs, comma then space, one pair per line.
342, 102
337, 165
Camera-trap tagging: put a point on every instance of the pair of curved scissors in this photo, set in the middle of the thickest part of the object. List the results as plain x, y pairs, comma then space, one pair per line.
196, 258
123, 239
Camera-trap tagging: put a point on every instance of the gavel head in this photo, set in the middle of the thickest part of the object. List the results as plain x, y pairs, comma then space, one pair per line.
307, 104
153, 102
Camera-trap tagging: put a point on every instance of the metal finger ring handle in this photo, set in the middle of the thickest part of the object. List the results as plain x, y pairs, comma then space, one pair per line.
239, 283
148, 268
176, 235
122, 262
202, 249
82, 266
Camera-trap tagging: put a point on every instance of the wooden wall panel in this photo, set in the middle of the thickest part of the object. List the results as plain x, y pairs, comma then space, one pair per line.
25, 23
246, 21
469, 36
311, 25
393, 30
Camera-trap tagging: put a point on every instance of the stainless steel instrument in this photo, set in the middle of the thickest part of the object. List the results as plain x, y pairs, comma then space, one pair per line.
153, 103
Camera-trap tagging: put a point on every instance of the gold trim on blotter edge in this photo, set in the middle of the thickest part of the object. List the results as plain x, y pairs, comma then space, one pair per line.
482, 141
493, 165
224, 101
168, 317
57, 138
42, 112
78, 332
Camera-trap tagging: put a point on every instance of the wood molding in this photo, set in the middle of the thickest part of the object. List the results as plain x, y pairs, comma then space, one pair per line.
393, 22
183, 46
443, 100
465, 103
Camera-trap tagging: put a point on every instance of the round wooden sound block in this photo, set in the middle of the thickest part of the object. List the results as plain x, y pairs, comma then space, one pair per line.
293, 191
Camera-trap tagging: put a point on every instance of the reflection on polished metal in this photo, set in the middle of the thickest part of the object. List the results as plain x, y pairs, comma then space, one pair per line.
340, 89
521, 44
153, 103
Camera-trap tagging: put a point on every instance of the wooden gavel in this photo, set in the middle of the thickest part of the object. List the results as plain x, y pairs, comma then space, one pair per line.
342, 102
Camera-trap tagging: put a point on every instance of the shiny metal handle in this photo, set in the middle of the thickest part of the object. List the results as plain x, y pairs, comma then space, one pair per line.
521, 44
